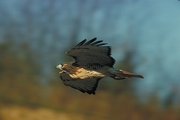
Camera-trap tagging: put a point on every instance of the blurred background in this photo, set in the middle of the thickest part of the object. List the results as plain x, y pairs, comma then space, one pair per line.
145, 39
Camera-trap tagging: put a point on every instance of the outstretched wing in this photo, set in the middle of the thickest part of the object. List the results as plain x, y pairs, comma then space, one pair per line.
88, 85
91, 53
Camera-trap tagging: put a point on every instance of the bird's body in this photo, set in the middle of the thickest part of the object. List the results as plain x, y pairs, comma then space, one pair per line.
82, 73
92, 63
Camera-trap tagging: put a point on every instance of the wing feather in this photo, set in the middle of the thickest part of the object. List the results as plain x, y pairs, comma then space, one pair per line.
91, 52
97, 42
84, 85
90, 41
81, 43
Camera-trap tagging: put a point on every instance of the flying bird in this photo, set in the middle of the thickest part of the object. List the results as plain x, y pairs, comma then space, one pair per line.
93, 62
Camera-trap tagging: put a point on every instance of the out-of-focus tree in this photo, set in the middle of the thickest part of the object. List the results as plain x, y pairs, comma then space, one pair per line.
18, 73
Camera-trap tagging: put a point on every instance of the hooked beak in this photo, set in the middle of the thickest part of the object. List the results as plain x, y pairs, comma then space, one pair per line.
59, 66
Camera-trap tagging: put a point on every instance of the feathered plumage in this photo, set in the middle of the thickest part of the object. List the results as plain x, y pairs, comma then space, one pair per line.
91, 52
93, 62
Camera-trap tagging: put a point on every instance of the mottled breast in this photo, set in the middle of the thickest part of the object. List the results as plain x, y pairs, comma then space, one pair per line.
81, 73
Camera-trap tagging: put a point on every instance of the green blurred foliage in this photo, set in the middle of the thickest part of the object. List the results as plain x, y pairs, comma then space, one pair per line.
18, 73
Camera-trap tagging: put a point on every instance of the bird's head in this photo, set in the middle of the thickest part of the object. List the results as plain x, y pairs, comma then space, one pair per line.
60, 66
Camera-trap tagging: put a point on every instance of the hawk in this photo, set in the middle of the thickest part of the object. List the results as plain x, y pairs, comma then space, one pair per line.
93, 62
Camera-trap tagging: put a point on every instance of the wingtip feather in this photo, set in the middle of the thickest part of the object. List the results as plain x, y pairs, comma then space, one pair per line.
81, 43
90, 41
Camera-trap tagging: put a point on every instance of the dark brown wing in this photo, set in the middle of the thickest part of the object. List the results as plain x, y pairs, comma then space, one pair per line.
91, 53
84, 85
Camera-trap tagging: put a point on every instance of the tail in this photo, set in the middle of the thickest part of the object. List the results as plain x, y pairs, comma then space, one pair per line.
122, 74
128, 74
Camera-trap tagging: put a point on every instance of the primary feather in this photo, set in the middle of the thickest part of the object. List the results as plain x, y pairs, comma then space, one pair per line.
91, 52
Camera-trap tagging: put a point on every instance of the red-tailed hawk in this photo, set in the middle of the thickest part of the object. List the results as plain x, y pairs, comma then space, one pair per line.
93, 62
